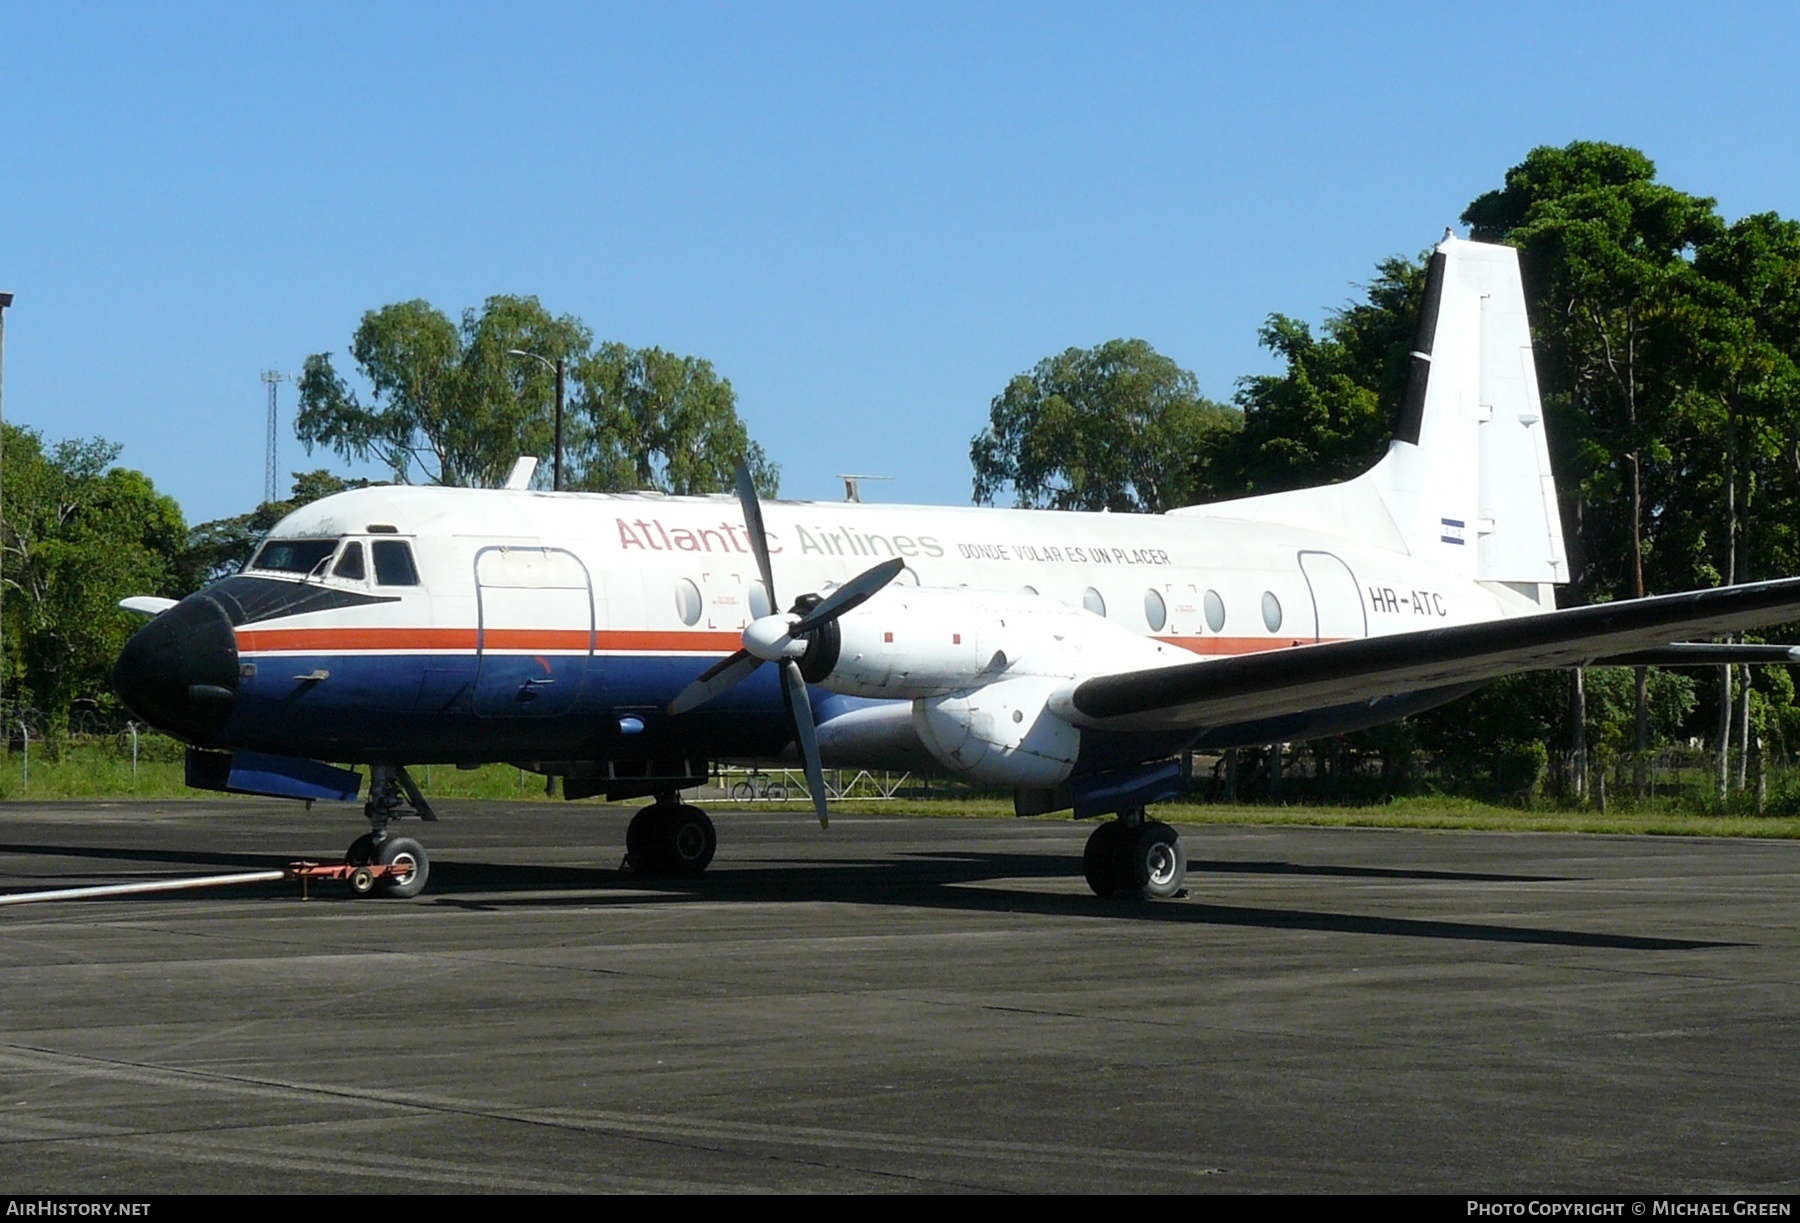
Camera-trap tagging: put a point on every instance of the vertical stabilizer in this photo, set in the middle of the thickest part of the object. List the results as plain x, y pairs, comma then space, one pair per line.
1467, 476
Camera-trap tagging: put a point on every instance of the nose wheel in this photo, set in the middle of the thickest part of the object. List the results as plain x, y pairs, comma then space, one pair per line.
393, 866
1130, 857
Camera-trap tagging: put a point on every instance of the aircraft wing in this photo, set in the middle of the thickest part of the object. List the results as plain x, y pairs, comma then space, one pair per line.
1308, 677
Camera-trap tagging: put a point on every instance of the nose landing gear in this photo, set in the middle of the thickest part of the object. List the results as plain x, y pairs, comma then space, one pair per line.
1134, 857
392, 795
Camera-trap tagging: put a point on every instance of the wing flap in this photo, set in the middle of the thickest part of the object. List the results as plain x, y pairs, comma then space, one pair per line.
1307, 677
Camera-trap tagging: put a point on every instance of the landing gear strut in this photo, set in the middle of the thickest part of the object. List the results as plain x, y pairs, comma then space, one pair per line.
1134, 857
670, 838
392, 795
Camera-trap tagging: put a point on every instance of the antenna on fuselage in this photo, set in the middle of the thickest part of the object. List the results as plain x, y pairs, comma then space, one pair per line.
851, 492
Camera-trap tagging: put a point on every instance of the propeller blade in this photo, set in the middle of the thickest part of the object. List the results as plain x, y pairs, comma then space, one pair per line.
723, 676
853, 593
753, 522
793, 687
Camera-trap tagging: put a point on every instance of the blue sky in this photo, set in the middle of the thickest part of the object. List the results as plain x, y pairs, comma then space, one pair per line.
867, 217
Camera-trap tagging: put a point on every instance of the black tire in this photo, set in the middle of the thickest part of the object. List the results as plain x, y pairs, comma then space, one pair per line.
640, 839
402, 852
1099, 861
361, 851
1152, 862
776, 793
687, 841
743, 792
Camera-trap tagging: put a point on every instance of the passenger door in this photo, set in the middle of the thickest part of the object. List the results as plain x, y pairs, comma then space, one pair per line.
535, 640
1338, 611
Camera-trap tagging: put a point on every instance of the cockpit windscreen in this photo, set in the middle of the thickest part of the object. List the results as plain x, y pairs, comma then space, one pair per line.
293, 555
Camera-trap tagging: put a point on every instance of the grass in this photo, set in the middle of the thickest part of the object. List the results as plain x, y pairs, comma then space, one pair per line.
104, 771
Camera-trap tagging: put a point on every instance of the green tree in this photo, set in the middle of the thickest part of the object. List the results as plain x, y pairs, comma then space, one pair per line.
449, 404
78, 534
1330, 412
1607, 255
1115, 427
650, 419
1666, 343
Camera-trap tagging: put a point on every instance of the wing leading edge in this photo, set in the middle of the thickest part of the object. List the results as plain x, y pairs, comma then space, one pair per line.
1307, 677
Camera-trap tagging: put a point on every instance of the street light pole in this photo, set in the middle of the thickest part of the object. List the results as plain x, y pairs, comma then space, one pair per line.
6, 299
556, 473
559, 367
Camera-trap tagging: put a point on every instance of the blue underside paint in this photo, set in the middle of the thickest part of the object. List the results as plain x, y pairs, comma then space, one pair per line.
454, 708
272, 776
440, 708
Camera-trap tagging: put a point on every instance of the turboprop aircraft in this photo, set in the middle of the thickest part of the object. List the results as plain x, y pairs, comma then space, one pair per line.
627, 643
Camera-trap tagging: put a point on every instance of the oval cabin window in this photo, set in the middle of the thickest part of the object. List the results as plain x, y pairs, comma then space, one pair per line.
1090, 599
687, 602
1156, 612
1215, 611
1271, 611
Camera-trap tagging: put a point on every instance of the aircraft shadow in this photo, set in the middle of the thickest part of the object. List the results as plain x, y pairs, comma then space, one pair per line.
940, 880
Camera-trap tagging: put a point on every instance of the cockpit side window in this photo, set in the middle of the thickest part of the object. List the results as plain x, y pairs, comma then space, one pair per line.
293, 555
394, 563
350, 564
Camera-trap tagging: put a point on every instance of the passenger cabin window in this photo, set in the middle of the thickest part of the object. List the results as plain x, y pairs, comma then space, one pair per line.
293, 555
394, 563
1156, 612
350, 564
687, 602
1215, 611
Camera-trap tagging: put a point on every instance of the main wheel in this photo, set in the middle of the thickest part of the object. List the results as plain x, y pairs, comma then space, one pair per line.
687, 840
410, 867
1099, 861
1151, 861
640, 838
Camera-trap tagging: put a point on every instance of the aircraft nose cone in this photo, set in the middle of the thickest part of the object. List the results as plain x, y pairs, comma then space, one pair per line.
180, 672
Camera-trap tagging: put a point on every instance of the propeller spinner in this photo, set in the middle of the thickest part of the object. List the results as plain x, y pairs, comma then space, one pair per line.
781, 638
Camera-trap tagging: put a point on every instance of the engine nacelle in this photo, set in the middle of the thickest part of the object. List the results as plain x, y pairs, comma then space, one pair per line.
1000, 734
981, 668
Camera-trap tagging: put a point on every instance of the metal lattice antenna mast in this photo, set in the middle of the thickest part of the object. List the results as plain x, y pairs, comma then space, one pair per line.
274, 379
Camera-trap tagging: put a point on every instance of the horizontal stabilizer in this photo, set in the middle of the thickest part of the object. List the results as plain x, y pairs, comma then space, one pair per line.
1283, 681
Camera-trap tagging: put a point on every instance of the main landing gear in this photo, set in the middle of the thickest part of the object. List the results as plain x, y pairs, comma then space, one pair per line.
1134, 856
392, 795
669, 838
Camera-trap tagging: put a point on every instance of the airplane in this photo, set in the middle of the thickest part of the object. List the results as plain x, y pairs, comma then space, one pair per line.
628, 643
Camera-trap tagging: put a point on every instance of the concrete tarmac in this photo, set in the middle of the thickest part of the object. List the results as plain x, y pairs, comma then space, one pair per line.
893, 1005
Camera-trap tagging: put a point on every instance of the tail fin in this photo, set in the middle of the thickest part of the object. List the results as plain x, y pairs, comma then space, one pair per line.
1467, 477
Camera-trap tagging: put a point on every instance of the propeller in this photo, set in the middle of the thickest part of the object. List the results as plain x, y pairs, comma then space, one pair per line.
782, 638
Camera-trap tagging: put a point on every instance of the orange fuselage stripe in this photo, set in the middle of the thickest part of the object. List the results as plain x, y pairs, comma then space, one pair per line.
691, 641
